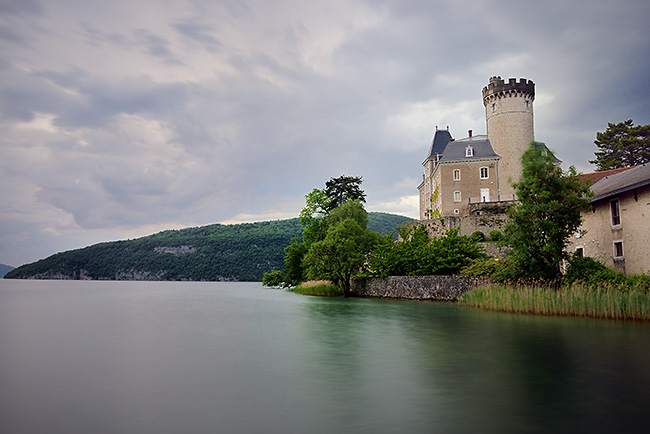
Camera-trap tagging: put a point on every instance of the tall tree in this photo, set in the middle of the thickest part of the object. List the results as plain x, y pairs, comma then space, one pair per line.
546, 215
340, 190
343, 252
622, 145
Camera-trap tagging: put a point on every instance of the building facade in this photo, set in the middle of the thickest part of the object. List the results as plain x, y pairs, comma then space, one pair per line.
616, 231
482, 168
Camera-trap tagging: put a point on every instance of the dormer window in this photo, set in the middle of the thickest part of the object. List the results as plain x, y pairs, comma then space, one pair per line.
469, 151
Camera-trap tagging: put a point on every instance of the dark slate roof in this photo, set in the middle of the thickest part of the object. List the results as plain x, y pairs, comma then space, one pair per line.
439, 142
455, 150
620, 182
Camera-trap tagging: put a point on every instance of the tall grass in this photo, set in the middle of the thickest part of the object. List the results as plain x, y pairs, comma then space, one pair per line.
322, 289
608, 302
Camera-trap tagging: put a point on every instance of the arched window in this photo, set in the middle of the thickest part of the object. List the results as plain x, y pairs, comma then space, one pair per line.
456, 174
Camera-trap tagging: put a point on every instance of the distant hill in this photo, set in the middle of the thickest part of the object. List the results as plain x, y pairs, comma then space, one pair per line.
4, 269
242, 252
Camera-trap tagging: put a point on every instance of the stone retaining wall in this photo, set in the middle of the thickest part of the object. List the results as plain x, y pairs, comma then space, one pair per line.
437, 288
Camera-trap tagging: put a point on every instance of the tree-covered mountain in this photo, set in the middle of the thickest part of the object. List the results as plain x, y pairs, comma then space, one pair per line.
216, 252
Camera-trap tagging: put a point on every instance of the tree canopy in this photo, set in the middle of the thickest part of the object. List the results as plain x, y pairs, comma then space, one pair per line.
342, 189
622, 145
546, 215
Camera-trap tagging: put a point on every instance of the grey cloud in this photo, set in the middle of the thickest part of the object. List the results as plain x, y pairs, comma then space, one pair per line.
265, 125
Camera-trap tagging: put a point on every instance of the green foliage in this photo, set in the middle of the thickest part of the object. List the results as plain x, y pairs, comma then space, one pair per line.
622, 145
419, 255
273, 278
294, 255
496, 235
546, 215
477, 237
241, 252
342, 253
483, 266
575, 300
342, 189
592, 273
323, 289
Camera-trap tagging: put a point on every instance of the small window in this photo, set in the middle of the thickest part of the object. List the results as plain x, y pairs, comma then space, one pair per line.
615, 209
484, 173
469, 151
456, 174
580, 252
456, 196
618, 249
456, 211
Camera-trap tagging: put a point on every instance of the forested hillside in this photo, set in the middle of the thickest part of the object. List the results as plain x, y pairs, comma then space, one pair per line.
216, 252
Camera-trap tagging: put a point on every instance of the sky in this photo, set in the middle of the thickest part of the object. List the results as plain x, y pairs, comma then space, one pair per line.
124, 118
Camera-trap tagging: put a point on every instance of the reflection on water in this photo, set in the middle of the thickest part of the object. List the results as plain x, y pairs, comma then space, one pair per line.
138, 357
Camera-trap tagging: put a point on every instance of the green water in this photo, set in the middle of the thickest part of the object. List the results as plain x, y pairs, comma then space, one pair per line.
146, 357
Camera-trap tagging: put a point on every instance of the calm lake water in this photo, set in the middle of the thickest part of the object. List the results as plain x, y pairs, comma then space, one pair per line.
167, 357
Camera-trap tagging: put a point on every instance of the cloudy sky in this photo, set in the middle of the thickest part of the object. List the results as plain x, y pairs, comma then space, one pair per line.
122, 118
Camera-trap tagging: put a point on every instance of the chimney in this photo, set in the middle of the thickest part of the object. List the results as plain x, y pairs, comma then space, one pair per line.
469, 133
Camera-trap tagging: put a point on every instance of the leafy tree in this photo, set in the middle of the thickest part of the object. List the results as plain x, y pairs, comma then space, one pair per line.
342, 253
293, 269
419, 255
546, 215
342, 189
622, 145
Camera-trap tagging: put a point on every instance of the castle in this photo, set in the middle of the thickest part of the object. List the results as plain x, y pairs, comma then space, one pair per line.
480, 169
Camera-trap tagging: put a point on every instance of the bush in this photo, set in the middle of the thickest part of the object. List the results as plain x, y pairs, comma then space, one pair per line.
592, 273
477, 237
488, 266
496, 235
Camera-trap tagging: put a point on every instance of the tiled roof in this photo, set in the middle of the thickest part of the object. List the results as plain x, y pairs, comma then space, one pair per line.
597, 176
621, 181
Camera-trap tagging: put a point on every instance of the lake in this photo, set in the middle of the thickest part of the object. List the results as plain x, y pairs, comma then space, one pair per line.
202, 357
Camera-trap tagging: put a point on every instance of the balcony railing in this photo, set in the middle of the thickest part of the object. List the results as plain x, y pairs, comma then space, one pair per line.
501, 198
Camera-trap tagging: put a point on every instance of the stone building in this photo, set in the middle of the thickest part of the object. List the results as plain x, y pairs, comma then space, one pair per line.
480, 169
617, 229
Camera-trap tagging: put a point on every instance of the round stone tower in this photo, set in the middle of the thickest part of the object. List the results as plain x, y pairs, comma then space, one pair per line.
509, 117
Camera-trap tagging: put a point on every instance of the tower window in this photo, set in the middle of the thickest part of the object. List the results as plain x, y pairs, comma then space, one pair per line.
618, 249
456, 174
615, 210
469, 151
456, 196
484, 173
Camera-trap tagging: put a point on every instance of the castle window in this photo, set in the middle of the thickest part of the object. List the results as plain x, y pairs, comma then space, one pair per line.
615, 209
494, 106
618, 250
484, 173
456, 196
456, 174
469, 151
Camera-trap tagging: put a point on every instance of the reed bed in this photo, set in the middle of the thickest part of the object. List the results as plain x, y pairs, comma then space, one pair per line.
576, 300
322, 289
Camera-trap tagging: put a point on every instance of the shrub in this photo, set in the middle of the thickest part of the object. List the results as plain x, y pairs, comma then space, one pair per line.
496, 235
488, 266
477, 237
593, 273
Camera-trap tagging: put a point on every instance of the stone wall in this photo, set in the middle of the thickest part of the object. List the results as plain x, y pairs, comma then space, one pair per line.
466, 224
435, 288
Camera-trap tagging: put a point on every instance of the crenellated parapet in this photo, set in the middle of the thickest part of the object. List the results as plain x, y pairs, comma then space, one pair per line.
498, 88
